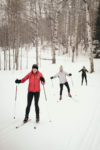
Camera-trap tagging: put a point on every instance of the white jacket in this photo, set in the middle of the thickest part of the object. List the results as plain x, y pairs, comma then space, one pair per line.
62, 77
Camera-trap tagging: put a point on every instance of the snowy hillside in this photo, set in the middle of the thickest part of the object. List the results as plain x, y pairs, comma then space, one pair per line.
70, 124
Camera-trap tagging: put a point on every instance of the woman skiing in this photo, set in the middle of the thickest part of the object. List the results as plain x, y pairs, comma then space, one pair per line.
62, 80
84, 70
33, 90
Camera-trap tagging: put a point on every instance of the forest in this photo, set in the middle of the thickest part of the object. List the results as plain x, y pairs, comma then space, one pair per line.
69, 27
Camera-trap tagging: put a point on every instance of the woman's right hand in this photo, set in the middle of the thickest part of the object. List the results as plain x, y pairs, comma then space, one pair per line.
17, 81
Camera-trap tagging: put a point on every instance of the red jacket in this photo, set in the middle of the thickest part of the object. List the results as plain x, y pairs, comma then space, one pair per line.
34, 81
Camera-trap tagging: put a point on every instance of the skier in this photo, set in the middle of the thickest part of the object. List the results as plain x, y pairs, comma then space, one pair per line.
84, 70
62, 80
33, 90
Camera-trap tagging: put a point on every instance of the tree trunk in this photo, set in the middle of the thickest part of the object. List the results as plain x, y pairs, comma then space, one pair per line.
21, 59
13, 58
89, 32
16, 57
5, 67
9, 60
67, 30
27, 58
75, 35
73, 53
0, 60
55, 39
36, 35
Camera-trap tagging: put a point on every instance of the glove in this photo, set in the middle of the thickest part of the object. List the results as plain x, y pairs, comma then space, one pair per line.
42, 79
17, 81
70, 74
51, 77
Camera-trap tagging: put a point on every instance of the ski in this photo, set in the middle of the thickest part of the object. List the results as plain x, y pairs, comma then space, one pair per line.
73, 98
59, 101
22, 124
37, 124
62, 99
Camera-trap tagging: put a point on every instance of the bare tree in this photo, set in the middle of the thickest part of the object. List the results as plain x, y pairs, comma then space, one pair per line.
89, 33
62, 24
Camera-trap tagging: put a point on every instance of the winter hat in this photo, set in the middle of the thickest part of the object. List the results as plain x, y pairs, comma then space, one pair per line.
61, 68
35, 66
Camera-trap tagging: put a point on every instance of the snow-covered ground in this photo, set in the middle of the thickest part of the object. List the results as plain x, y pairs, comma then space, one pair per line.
75, 123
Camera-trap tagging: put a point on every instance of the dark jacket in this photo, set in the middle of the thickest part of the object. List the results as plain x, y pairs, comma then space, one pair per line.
83, 72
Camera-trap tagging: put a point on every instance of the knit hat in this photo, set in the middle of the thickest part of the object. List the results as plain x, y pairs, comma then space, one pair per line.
35, 66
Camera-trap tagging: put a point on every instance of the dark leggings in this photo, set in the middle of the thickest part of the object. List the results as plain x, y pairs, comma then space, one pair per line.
84, 76
29, 101
61, 87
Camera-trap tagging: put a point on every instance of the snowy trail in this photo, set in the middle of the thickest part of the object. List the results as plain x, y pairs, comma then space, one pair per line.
74, 122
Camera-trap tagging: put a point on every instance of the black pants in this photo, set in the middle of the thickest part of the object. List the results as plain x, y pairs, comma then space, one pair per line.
29, 101
84, 77
61, 87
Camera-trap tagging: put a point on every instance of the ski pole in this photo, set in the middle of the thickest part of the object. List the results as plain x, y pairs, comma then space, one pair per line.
72, 81
46, 105
49, 117
44, 92
15, 102
52, 83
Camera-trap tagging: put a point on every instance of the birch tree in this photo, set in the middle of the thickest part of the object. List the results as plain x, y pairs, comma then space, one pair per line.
89, 33
34, 25
97, 30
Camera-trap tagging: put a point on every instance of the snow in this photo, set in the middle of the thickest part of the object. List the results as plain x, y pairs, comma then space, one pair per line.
74, 122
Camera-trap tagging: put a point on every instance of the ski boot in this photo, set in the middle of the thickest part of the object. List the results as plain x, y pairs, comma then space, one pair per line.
69, 95
25, 119
60, 97
37, 119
